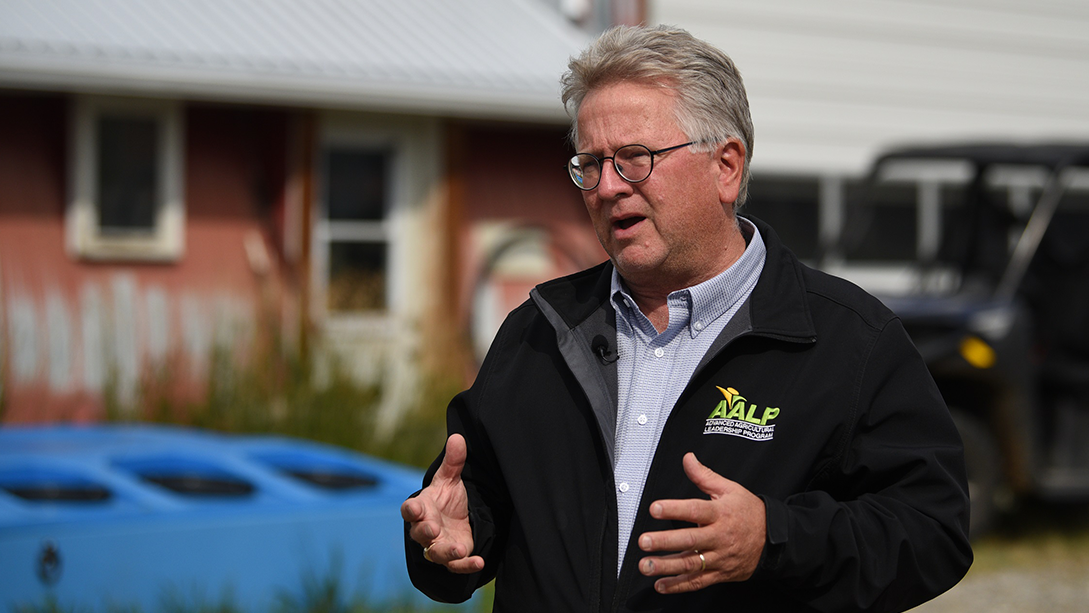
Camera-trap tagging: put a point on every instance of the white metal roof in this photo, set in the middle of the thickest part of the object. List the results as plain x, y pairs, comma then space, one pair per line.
485, 58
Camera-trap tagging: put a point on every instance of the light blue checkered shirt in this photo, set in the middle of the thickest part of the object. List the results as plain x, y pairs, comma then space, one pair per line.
654, 368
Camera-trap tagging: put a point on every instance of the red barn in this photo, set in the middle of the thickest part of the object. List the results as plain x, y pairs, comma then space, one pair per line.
380, 181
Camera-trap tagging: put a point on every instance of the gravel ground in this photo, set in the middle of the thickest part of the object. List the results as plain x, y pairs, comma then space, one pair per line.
1038, 562
1015, 591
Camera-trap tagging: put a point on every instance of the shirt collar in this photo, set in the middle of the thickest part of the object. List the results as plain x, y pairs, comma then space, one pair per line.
713, 297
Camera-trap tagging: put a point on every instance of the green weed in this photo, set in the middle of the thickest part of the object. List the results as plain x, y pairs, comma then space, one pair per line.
279, 391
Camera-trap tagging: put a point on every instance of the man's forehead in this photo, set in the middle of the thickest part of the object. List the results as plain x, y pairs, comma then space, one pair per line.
625, 110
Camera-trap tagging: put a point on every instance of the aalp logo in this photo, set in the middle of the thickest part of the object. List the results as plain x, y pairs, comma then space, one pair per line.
737, 417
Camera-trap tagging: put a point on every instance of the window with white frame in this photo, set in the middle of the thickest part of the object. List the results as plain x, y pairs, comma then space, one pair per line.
127, 165
353, 229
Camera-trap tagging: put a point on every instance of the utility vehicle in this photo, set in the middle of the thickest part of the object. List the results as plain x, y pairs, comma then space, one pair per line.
998, 303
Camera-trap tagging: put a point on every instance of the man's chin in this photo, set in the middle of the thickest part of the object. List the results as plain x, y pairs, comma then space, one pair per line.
637, 265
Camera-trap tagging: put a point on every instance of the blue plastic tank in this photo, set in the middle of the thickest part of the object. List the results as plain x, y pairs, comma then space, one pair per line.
108, 518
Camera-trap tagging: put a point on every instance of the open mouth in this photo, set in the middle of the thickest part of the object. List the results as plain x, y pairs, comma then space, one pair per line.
628, 222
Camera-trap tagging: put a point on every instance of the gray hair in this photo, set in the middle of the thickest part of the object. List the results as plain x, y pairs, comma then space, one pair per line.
712, 104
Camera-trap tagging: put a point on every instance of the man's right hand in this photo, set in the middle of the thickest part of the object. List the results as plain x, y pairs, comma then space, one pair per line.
438, 516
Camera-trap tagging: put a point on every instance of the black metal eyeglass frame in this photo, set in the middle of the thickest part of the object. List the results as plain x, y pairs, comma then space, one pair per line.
601, 164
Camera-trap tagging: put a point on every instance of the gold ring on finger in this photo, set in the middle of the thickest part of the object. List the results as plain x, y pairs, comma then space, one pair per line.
703, 561
427, 554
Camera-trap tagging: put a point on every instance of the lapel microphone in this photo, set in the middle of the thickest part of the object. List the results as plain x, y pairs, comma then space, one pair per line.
600, 346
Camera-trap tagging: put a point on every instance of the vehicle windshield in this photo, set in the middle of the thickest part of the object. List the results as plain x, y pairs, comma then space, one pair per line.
934, 227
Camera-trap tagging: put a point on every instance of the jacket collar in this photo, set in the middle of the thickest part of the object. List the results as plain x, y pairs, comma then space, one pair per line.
576, 297
778, 305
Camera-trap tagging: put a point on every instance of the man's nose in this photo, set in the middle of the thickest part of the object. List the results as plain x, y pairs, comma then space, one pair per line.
611, 183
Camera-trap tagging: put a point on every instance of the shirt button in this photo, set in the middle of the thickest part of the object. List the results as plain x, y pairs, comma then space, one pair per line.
659, 352
623, 487
642, 420
699, 325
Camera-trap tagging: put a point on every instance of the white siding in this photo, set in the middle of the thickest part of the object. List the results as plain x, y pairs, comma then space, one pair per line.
830, 83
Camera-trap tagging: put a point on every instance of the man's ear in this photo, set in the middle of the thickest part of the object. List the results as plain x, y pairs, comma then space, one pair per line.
730, 156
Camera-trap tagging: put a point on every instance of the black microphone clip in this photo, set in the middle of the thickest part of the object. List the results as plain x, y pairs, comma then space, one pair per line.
600, 346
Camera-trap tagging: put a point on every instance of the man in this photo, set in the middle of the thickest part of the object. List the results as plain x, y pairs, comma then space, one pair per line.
700, 423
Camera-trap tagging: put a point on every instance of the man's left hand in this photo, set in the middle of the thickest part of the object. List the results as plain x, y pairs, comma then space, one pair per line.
730, 532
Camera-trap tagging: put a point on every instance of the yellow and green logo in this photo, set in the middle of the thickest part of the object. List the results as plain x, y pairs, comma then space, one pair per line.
736, 416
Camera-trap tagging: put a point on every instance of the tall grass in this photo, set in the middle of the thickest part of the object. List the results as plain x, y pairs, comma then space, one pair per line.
278, 390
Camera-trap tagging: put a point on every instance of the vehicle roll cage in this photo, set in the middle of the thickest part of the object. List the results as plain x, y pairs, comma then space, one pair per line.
1054, 157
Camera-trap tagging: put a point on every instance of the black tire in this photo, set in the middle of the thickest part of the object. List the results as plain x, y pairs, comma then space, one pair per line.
984, 464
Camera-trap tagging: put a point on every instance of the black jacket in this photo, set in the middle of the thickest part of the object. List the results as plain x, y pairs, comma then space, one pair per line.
840, 430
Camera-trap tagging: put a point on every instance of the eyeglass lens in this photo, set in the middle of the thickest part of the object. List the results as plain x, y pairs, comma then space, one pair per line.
632, 162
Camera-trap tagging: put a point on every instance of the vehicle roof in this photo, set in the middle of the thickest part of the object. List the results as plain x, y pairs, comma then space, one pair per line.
1051, 155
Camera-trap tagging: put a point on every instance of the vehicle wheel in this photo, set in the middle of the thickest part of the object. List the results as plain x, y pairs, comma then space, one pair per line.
984, 465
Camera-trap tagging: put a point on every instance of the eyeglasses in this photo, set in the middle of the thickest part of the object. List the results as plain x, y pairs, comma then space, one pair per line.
632, 162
